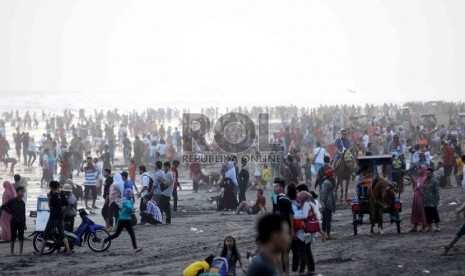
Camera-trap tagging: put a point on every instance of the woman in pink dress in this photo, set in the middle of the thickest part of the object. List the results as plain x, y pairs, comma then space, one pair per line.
418, 211
8, 193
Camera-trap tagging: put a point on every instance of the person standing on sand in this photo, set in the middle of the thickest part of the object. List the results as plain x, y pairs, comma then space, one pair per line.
176, 185
5, 219
243, 179
25, 140
328, 202
16, 208
166, 190
132, 174
106, 193
431, 200
90, 182
418, 211
145, 180
124, 221
284, 208
55, 225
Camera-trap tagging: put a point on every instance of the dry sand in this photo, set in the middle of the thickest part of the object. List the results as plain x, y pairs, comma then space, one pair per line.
167, 249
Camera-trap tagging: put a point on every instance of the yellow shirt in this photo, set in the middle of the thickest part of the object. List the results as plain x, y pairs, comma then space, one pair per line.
194, 268
266, 175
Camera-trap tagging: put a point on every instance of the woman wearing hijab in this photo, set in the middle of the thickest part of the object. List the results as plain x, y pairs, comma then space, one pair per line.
418, 211
304, 241
8, 193
115, 199
229, 185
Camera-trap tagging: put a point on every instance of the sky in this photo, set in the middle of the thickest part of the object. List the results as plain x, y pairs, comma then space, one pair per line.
227, 53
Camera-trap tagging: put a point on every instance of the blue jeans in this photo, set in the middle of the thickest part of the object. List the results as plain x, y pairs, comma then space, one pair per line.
318, 166
327, 217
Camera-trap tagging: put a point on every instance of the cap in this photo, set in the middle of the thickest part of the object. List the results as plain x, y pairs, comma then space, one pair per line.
67, 188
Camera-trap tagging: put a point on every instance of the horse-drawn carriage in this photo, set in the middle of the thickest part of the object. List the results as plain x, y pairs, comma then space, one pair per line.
376, 195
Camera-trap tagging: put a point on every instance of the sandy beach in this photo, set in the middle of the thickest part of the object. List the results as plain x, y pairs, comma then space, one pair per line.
167, 249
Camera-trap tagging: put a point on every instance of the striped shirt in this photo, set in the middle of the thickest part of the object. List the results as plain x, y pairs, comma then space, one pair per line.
90, 177
154, 211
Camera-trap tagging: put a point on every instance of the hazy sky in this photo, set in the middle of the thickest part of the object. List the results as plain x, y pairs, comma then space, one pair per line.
232, 52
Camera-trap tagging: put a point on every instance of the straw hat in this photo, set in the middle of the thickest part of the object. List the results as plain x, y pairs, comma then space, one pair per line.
67, 188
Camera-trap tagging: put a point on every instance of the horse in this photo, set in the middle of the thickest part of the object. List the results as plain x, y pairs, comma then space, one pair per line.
343, 171
382, 193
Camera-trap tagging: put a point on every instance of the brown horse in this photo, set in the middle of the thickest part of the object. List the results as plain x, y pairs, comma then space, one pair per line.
343, 171
382, 193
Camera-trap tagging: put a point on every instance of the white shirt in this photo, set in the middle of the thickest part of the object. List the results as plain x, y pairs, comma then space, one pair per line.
366, 140
145, 180
257, 169
319, 156
161, 148
31, 147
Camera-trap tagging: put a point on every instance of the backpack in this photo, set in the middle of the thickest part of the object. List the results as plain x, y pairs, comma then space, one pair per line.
77, 191
151, 182
219, 266
310, 225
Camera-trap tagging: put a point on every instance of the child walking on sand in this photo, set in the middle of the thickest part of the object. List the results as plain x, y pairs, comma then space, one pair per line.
17, 209
124, 221
232, 255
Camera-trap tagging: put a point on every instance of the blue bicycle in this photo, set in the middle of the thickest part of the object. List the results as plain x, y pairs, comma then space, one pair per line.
88, 231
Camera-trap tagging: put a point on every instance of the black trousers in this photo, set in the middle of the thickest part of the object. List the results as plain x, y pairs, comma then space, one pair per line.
295, 255
175, 200
149, 218
165, 206
242, 190
105, 210
113, 213
17, 231
306, 256
123, 223
69, 224
142, 208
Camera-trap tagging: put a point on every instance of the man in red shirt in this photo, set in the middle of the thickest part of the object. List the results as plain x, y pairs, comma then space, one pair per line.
448, 159
253, 208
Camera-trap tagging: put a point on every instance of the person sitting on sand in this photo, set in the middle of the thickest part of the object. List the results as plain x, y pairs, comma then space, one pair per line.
153, 214
197, 268
253, 208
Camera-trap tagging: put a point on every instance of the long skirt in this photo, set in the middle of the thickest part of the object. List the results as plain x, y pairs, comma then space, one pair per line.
418, 211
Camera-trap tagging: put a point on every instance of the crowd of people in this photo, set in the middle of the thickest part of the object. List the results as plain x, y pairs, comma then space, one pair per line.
313, 146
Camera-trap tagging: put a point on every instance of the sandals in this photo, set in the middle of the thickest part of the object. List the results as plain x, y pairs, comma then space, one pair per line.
413, 230
137, 250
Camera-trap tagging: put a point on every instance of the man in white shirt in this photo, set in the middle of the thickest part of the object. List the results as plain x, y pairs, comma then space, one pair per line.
145, 181
366, 139
318, 156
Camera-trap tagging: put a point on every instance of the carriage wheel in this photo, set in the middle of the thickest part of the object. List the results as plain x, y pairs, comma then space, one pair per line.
355, 223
